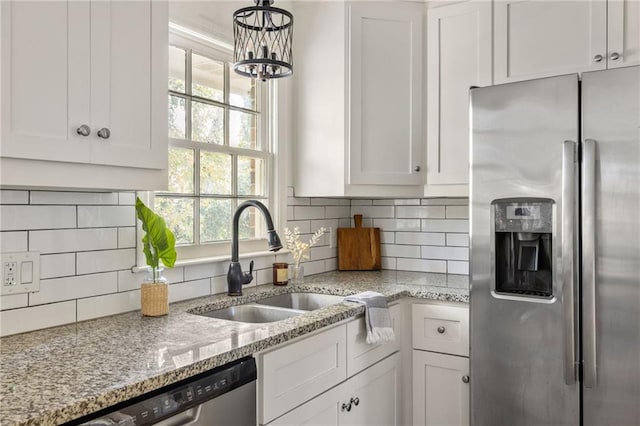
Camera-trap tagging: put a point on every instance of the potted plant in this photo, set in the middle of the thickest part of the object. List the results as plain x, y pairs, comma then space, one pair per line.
159, 247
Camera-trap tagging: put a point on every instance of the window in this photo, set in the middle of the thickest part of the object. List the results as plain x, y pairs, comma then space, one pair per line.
219, 154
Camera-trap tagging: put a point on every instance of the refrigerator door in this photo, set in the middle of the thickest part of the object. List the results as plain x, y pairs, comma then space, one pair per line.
611, 246
523, 345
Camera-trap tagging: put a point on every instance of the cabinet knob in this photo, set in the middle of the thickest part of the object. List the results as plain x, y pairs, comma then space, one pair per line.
416, 169
355, 401
614, 56
346, 407
465, 379
441, 330
83, 130
104, 133
598, 58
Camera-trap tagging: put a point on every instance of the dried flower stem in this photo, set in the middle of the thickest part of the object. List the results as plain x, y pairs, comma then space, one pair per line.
300, 250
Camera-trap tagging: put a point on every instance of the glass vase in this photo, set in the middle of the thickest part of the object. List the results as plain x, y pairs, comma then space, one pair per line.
297, 275
154, 294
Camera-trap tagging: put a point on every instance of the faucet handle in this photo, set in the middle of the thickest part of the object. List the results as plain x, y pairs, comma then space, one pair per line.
247, 277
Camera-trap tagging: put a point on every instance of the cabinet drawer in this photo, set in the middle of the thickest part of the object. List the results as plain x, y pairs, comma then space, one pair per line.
441, 328
297, 372
360, 354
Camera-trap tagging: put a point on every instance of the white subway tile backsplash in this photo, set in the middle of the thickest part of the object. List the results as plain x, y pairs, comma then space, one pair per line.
105, 216
13, 301
383, 202
420, 238
126, 237
458, 240
60, 197
219, 284
19, 218
420, 212
105, 260
322, 252
393, 250
331, 264
361, 202
127, 198
290, 192
308, 212
337, 211
299, 201
70, 240
445, 253
304, 226
455, 267
127, 280
205, 270
397, 224
57, 265
108, 304
314, 267
174, 275
444, 201
8, 196
189, 290
373, 211
457, 212
422, 265
330, 202
58, 289
445, 225
387, 237
33, 318
13, 241
388, 263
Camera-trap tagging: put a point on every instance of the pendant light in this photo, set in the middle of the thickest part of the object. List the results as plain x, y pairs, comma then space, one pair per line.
262, 41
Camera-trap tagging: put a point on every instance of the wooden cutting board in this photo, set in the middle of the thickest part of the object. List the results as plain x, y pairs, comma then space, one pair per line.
359, 248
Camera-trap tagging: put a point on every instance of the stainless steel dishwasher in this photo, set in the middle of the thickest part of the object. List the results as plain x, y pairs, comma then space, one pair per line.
225, 396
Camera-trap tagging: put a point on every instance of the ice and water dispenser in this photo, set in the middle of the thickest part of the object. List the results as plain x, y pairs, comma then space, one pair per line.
523, 247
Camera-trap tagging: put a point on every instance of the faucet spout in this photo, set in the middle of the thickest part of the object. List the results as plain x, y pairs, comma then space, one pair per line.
235, 277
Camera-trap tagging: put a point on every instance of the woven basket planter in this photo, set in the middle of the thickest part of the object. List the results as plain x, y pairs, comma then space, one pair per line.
154, 299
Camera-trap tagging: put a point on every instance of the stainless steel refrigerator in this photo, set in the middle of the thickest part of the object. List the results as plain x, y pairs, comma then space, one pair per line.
555, 251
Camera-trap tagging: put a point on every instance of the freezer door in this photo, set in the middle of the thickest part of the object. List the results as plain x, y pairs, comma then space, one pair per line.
611, 246
523, 345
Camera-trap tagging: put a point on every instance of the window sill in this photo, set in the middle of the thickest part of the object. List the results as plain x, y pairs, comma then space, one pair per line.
213, 259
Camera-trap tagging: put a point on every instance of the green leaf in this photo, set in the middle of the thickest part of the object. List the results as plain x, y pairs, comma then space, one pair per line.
159, 243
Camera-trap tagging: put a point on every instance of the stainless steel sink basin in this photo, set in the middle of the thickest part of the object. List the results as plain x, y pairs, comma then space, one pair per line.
302, 301
253, 313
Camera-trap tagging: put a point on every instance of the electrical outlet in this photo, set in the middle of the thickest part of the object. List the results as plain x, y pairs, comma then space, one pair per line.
20, 272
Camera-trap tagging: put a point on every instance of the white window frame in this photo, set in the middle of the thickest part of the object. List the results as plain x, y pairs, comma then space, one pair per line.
216, 251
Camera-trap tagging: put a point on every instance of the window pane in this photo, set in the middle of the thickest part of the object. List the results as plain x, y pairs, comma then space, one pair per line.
181, 165
207, 78
243, 91
215, 173
178, 214
243, 130
252, 224
177, 118
177, 66
215, 219
251, 177
207, 123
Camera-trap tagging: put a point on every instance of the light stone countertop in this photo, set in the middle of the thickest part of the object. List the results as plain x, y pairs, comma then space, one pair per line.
59, 374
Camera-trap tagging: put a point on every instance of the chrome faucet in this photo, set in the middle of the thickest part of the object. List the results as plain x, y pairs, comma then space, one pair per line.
235, 277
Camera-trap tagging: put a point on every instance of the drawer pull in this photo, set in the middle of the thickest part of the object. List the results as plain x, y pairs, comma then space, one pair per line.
441, 330
355, 401
346, 407
465, 379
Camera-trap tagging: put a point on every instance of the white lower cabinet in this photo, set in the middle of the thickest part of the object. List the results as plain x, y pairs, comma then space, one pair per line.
440, 389
368, 398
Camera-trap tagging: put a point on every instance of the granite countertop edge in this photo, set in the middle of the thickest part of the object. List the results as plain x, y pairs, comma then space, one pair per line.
342, 284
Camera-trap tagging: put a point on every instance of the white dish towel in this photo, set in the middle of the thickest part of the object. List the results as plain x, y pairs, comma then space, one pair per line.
376, 316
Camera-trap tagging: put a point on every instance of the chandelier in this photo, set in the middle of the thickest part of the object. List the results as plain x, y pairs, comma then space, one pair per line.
262, 41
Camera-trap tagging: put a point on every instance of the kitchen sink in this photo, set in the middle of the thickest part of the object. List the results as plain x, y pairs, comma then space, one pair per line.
301, 301
253, 313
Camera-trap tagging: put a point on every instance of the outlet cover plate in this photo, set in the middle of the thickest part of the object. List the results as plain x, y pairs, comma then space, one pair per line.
20, 272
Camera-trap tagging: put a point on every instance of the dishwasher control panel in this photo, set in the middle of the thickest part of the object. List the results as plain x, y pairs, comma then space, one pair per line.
169, 401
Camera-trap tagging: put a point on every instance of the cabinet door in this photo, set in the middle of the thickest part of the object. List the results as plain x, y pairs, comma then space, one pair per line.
440, 389
45, 80
323, 410
128, 56
458, 57
544, 38
624, 33
376, 391
385, 77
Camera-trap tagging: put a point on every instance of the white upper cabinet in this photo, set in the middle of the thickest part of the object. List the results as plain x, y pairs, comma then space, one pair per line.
623, 31
358, 99
84, 87
385, 83
458, 56
543, 38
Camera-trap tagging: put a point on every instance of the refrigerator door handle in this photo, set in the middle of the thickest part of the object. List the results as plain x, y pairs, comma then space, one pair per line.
569, 180
588, 261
